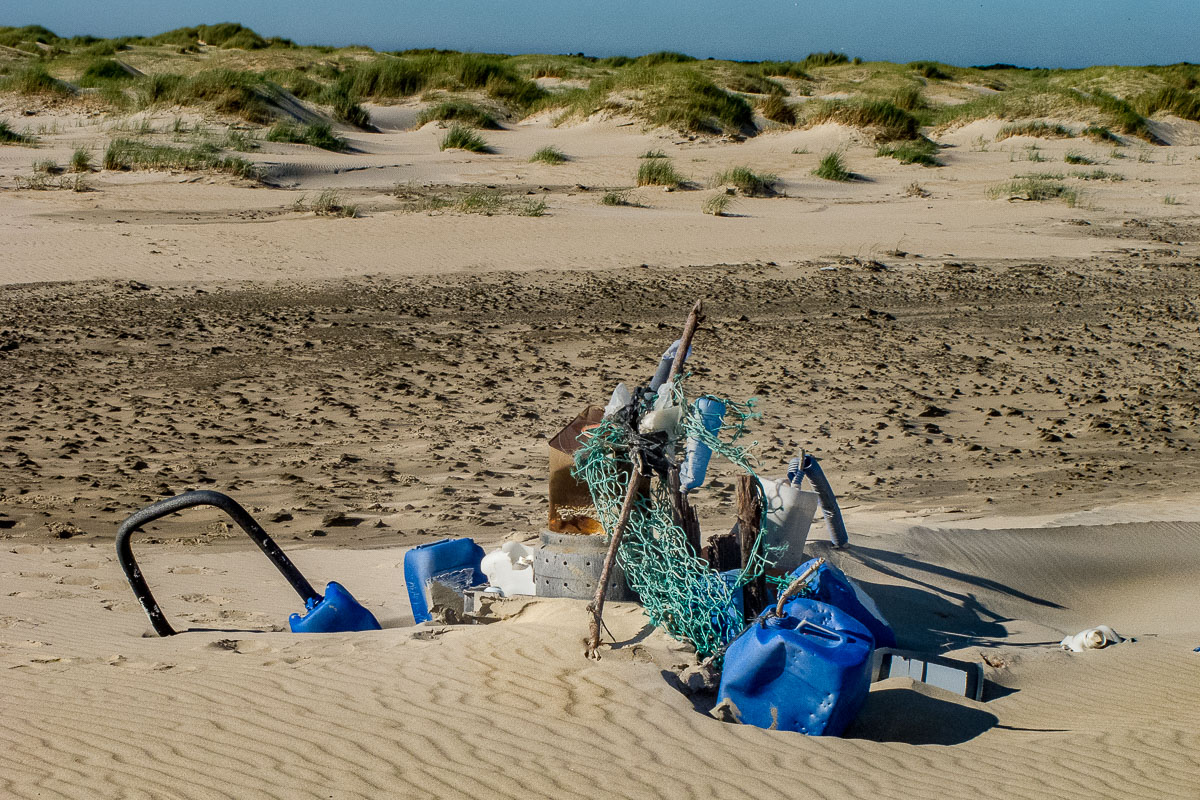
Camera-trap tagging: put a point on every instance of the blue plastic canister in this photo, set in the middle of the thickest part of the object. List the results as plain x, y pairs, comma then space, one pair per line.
790, 674
336, 612
425, 561
830, 585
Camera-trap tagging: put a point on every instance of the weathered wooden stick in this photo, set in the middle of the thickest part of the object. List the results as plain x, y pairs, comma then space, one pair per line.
685, 515
637, 485
685, 342
796, 585
749, 511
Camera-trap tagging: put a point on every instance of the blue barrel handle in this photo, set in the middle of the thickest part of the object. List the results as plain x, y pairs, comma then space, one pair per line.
162, 508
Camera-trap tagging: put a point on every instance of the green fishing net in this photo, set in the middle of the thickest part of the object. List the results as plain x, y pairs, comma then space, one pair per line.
681, 593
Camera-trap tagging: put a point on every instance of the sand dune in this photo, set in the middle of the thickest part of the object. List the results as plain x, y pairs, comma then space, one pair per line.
510, 709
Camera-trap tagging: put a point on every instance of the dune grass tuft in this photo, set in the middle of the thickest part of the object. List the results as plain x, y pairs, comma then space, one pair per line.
1035, 188
81, 160
33, 79
917, 151
1173, 100
103, 71
459, 111
316, 134
747, 182
1076, 157
1098, 175
1099, 133
10, 136
619, 197
460, 137
833, 168
718, 204
653, 154
776, 109
1040, 129
129, 154
328, 204
548, 155
888, 122
658, 172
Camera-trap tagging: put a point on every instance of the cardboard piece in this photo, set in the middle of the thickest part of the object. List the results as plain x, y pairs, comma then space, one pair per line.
571, 509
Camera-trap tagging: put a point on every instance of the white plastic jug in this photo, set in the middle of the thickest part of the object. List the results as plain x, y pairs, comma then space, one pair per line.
789, 512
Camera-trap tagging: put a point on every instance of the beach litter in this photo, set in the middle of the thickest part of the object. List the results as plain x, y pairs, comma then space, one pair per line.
439, 573
1091, 639
335, 611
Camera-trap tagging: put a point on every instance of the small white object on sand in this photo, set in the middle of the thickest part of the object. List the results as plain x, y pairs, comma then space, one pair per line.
1091, 639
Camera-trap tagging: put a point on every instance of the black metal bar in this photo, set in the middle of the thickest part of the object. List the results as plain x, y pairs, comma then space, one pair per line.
162, 508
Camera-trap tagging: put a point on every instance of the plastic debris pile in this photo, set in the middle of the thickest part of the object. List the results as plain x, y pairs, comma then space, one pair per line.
680, 592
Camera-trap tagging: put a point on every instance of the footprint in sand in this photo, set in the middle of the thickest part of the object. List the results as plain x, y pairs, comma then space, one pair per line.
206, 599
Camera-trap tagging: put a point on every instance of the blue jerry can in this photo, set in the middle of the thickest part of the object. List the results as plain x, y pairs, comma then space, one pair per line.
427, 561
337, 611
830, 585
792, 674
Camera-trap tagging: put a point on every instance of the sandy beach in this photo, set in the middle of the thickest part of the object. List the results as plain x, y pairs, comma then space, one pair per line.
1002, 392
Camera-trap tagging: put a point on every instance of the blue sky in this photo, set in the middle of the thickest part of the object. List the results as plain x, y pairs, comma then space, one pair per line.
1052, 33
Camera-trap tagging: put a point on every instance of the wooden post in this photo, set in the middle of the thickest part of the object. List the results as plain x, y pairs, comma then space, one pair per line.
749, 511
685, 342
638, 484
685, 515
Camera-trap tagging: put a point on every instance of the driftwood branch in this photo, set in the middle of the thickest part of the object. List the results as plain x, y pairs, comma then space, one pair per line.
749, 512
638, 484
685, 342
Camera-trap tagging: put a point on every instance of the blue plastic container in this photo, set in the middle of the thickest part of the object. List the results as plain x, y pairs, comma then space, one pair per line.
791, 674
337, 611
695, 465
427, 561
830, 585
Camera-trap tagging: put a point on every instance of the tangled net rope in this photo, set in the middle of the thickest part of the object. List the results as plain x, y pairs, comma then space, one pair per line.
679, 591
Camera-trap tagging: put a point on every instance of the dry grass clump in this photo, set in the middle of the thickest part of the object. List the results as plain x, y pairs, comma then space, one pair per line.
10, 136
1173, 100
718, 204
548, 155
316, 134
619, 197
488, 202
674, 95
776, 109
413, 73
43, 181
658, 172
832, 167
1040, 129
33, 80
460, 137
1098, 175
459, 111
1099, 133
81, 160
328, 204
885, 120
747, 182
918, 151
1036, 188
128, 154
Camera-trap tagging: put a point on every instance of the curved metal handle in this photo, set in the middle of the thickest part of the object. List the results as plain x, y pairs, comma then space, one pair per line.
162, 508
